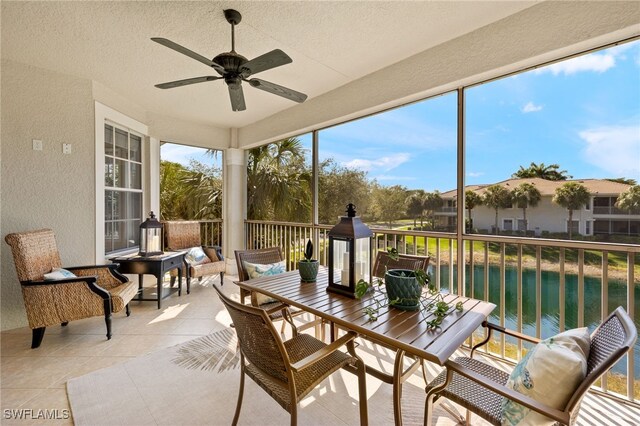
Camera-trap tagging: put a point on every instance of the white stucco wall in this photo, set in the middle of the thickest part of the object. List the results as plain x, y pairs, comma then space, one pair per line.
547, 216
45, 189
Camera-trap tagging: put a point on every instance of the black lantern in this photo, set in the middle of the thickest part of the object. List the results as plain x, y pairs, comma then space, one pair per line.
150, 237
350, 255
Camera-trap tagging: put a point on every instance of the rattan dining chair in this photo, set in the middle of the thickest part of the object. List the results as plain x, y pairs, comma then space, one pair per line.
385, 262
97, 290
480, 388
289, 370
268, 256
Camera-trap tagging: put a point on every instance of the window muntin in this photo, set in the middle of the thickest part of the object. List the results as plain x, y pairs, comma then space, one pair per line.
123, 188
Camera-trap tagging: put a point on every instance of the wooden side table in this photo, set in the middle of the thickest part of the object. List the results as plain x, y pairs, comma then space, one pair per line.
152, 265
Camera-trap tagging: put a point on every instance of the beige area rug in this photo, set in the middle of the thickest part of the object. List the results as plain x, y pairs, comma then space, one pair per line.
196, 383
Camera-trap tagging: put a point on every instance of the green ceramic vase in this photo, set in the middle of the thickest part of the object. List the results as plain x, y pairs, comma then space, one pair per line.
308, 270
401, 284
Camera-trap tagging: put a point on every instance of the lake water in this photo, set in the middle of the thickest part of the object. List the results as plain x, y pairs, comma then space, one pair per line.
550, 301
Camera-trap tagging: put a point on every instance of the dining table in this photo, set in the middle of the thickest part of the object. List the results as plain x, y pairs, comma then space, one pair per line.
407, 332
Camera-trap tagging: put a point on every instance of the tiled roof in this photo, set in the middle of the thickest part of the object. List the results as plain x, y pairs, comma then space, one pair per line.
548, 187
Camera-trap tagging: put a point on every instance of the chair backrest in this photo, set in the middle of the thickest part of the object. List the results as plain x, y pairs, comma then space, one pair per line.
609, 342
260, 256
384, 262
35, 253
181, 234
258, 338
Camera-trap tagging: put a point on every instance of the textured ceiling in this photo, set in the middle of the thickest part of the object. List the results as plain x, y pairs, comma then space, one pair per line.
331, 44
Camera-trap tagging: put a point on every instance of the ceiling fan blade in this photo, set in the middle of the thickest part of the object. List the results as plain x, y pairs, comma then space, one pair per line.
269, 60
278, 90
237, 97
178, 83
190, 53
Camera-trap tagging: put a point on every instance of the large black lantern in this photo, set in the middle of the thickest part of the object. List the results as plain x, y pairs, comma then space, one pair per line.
150, 237
350, 255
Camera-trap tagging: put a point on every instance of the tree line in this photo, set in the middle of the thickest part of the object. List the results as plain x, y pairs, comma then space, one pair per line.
279, 188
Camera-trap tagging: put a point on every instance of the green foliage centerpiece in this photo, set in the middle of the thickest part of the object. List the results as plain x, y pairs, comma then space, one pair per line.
404, 290
308, 266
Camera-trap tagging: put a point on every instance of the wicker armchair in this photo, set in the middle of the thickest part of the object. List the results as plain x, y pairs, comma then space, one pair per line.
96, 291
480, 388
288, 370
183, 235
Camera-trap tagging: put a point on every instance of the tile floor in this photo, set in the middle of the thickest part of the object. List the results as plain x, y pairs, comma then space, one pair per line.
35, 379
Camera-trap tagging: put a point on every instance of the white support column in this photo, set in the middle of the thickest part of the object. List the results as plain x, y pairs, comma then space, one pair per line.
152, 188
234, 205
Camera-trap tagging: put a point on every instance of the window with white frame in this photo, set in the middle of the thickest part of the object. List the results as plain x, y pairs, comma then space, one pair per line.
507, 224
522, 225
587, 227
122, 188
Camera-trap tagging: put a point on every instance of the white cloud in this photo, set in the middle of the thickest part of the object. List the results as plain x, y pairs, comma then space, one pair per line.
385, 163
615, 149
595, 62
475, 174
531, 107
183, 154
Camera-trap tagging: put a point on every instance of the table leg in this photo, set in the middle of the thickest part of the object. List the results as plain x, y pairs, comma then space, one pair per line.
159, 277
180, 282
140, 280
397, 387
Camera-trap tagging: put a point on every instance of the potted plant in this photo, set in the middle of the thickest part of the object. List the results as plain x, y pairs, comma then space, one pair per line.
308, 266
403, 289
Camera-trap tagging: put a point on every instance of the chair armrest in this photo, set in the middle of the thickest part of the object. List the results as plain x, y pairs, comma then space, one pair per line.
511, 333
537, 406
324, 352
111, 267
89, 279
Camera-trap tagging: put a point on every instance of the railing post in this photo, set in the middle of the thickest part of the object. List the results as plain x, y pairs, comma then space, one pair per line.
460, 195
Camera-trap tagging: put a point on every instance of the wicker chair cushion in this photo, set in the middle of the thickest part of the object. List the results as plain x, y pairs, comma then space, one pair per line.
549, 373
256, 270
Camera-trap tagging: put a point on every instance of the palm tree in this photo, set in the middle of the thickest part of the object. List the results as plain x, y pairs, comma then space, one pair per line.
432, 201
571, 196
542, 171
471, 200
630, 200
415, 206
278, 182
526, 195
497, 197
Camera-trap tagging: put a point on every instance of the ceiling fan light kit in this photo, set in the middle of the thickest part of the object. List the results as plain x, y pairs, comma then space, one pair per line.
234, 68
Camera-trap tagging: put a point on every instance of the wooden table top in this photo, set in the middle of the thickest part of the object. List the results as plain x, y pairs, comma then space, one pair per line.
405, 330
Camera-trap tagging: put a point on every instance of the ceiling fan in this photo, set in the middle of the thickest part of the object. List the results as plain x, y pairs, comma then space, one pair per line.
235, 68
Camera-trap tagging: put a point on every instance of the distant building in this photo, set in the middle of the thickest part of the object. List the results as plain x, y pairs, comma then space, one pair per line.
598, 217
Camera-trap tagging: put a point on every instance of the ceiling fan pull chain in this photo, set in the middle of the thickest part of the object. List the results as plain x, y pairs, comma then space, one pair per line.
233, 37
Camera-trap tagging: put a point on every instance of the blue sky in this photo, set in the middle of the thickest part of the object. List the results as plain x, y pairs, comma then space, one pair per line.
583, 113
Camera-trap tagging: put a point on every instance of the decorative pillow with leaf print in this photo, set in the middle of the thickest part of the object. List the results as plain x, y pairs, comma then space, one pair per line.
256, 270
548, 373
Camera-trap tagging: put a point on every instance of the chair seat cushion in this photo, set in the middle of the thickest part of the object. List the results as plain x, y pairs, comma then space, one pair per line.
207, 268
549, 373
256, 270
122, 294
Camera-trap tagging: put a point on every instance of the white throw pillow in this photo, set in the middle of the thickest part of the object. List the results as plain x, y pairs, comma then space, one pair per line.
548, 373
196, 256
58, 274
256, 270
